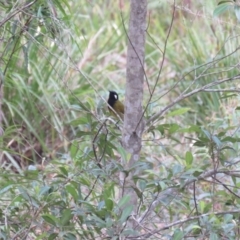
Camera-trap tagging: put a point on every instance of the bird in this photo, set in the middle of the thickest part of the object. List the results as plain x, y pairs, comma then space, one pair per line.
115, 104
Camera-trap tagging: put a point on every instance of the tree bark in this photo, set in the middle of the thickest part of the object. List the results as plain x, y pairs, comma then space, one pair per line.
1, 102
133, 120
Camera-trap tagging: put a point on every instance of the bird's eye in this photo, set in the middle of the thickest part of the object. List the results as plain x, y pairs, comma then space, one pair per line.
115, 96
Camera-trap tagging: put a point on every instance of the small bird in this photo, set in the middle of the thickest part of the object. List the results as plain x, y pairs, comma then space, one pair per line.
116, 105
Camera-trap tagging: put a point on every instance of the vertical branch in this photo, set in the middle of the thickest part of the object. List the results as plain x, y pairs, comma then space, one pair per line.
132, 131
135, 76
1, 102
1, 112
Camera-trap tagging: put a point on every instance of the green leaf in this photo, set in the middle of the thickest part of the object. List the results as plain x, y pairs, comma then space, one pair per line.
5, 189
66, 217
72, 191
199, 144
126, 213
124, 200
178, 235
234, 180
73, 149
214, 236
101, 205
64, 171
84, 181
217, 141
52, 236
80, 107
225, 1
237, 12
173, 128
127, 232
202, 206
82, 133
50, 219
44, 190
99, 221
228, 218
160, 128
142, 184
138, 192
61, 8
230, 139
108, 190
207, 133
194, 128
228, 148
109, 204
177, 112
189, 158
124, 154
221, 9
70, 236
197, 171
79, 121
228, 95
109, 222
27, 197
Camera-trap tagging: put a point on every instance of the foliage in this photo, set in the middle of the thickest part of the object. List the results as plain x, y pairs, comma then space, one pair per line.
223, 6
58, 59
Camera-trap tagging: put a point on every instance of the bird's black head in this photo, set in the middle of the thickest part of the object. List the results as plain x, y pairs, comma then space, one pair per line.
113, 97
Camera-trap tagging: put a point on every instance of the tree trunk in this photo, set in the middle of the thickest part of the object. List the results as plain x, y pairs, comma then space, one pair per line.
133, 119
1, 102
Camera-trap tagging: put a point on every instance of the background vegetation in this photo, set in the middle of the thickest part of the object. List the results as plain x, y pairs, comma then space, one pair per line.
60, 156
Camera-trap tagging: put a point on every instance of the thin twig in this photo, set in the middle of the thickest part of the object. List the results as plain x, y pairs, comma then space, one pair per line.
16, 12
172, 192
195, 201
181, 97
93, 186
225, 186
184, 221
